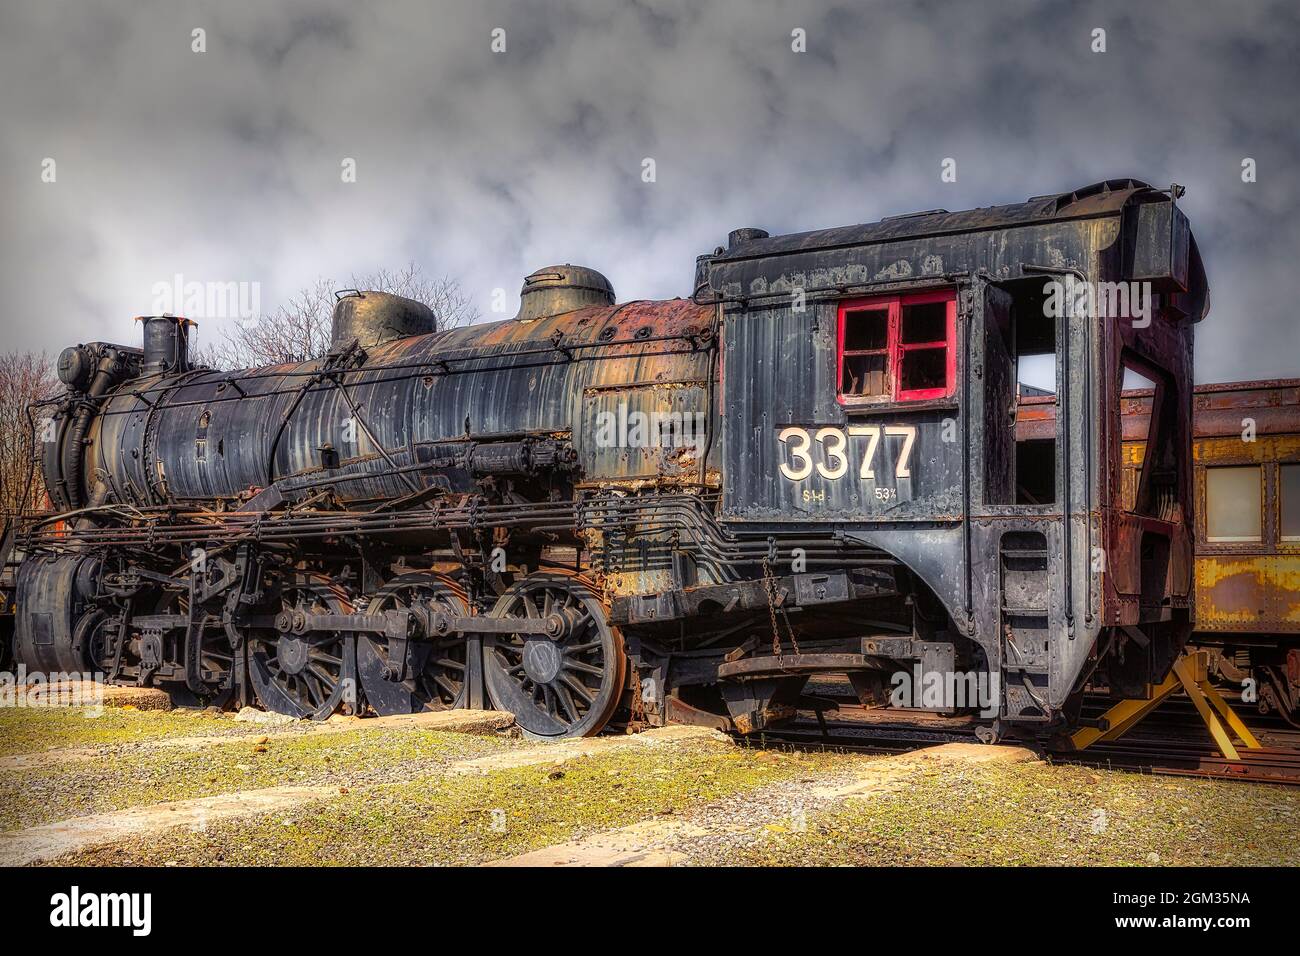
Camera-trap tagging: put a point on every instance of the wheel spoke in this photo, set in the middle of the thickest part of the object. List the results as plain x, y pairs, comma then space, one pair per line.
578, 687
325, 676
299, 675
451, 689
566, 701
312, 691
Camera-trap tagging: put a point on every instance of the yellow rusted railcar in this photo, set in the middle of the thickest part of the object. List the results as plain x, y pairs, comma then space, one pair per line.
1246, 474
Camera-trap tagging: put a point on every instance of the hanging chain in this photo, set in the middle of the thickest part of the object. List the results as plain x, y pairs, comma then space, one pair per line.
790, 630
769, 586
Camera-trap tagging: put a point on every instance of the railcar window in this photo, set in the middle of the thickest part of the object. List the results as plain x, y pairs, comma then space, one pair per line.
1289, 492
923, 370
925, 324
897, 348
923, 344
1232, 504
866, 330
864, 354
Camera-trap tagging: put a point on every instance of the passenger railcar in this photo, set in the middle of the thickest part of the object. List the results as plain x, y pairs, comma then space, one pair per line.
1246, 455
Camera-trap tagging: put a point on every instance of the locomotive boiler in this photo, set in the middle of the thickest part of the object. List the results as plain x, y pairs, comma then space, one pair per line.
603, 515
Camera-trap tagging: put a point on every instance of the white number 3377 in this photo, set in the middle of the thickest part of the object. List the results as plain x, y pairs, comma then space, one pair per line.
832, 460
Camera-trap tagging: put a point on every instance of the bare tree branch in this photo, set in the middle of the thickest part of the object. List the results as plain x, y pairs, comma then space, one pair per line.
25, 377
299, 330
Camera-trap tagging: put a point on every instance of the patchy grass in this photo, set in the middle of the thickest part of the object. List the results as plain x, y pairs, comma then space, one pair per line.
398, 805
473, 819
32, 796
36, 729
1036, 814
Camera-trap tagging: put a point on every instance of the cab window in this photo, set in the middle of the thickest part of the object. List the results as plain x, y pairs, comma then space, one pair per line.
897, 348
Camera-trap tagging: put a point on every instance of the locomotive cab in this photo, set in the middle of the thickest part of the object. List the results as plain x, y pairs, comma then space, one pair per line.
871, 388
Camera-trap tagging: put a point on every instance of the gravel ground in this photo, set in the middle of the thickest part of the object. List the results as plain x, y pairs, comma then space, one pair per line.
441, 821
1037, 814
742, 822
140, 776
397, 804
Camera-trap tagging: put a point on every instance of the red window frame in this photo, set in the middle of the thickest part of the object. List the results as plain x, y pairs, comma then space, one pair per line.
896, 348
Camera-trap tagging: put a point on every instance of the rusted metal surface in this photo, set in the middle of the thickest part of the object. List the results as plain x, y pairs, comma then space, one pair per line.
422, 398
1251, 587
910, 529
1101, 199
1248, 593
556, 290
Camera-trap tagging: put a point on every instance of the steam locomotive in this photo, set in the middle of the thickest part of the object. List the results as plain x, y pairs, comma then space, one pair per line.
603, 515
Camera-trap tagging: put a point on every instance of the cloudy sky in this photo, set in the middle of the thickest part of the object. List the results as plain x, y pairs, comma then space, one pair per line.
226, 165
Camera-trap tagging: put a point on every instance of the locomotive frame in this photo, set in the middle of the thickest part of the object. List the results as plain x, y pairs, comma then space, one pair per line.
426, 518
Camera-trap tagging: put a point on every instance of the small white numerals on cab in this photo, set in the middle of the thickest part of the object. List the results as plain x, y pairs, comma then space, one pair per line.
831, 459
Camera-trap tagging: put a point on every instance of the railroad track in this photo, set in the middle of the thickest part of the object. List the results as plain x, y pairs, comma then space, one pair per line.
1171, 742
1189, 759
854, 736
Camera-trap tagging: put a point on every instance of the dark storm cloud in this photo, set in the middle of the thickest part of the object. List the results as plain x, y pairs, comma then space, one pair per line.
225, 166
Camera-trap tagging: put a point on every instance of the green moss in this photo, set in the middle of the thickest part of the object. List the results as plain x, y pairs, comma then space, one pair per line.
1034, 814
472, 819
35, 729
140, 777
398, 805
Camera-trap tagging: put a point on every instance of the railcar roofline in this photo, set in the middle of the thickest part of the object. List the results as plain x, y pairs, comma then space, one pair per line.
1205, 388
1099, 199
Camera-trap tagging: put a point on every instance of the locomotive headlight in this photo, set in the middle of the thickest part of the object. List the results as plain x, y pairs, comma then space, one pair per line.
76, 365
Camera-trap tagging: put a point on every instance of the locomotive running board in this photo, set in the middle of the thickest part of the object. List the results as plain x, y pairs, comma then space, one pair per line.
1191, 673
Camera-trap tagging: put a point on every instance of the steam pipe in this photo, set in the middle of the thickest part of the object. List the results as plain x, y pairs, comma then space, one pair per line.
73, 458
